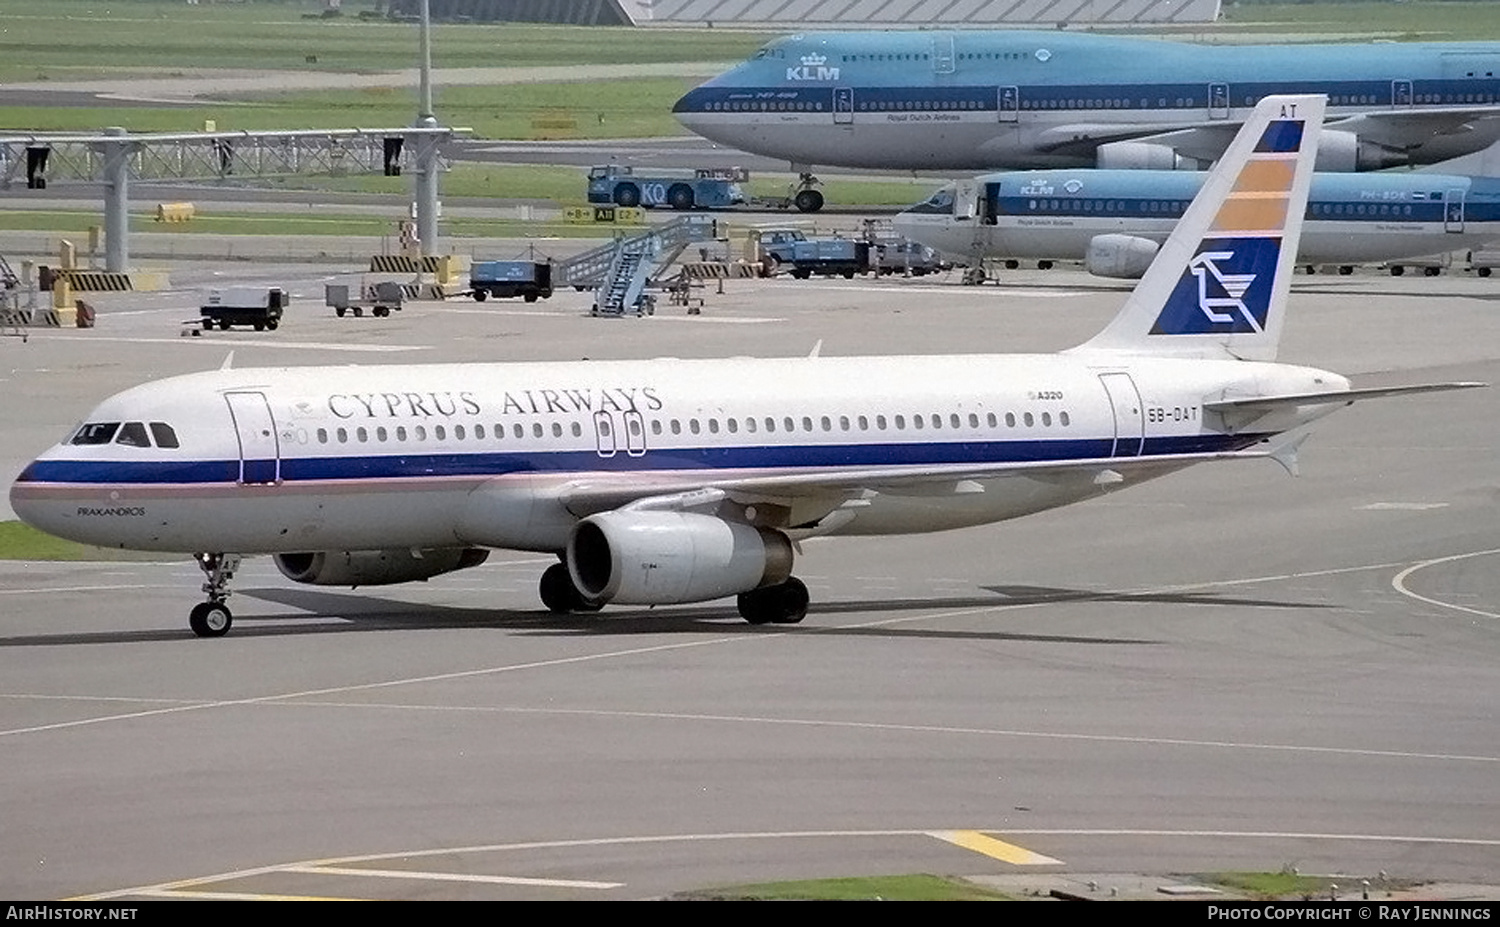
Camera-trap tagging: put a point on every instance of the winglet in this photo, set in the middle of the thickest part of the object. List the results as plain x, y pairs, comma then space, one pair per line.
1218, 287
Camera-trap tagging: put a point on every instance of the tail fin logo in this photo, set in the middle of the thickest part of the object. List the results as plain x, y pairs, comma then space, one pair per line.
1225, 289
1234, 286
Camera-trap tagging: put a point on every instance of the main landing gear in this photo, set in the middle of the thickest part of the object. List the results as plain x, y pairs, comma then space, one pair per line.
783, 603
560, 595
212, 618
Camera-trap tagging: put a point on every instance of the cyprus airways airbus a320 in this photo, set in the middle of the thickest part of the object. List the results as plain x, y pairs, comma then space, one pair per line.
983, 100
673, 481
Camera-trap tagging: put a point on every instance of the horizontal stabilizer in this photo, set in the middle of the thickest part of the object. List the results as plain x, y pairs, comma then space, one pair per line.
1272, 403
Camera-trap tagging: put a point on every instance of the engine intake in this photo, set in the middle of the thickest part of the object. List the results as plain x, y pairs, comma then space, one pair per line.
376, 567
663, 558
1121, 256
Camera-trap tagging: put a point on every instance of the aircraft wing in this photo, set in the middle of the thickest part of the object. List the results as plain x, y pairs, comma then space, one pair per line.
1395, 129
800, 499
1409, 129
1205, 142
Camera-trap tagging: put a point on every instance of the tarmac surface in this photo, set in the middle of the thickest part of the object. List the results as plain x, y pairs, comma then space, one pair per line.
1227, 669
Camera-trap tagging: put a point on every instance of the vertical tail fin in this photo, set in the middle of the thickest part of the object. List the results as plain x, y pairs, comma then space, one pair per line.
1218, 287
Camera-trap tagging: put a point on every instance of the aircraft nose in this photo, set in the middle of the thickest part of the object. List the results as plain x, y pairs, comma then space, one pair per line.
689, 107
29, 503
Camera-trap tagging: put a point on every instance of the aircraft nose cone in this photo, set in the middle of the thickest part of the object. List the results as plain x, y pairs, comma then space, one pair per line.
26, 502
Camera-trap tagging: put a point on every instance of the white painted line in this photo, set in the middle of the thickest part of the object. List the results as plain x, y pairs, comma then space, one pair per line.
1398, 582
1402, 506
253, 342
449, 877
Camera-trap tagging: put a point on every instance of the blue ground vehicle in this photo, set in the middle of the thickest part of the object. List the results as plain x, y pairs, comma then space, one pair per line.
505, 279
686, 189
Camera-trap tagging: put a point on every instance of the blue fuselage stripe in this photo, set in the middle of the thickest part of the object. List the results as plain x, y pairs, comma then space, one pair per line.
1136, 97
500, 463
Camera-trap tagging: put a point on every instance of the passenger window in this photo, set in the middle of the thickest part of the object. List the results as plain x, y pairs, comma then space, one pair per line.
788, 424
557, 431
438, 431
343, 436
322, 435
807, 423
96, 433
361, 435
133, 434
458, 432
479, 432
163, 435
536, 429
578, 429
400, 432
381, 434
421, 432
693, 425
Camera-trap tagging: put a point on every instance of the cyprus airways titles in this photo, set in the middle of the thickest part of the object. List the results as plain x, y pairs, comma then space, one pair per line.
669, 481
986, 100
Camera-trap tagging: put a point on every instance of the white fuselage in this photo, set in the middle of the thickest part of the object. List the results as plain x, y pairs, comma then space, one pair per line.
497, 455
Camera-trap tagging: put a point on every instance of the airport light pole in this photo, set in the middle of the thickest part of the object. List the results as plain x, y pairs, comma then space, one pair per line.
425, 148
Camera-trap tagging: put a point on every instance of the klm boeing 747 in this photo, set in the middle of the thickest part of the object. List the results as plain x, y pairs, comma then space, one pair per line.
1114, 221
975, 101
674, 481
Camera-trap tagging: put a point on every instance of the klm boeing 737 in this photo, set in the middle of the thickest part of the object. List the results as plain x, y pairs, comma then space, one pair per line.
976, 101
1114, 221
675, 481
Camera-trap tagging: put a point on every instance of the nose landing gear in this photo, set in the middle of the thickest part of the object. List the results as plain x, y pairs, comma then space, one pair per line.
212, 618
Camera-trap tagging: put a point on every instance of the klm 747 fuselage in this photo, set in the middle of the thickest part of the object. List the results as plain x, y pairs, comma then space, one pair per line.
989, 100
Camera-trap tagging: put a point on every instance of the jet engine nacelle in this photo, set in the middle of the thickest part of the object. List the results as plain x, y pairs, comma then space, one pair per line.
1345, 152
661, 558
1122, 256
1142, 156
376, 567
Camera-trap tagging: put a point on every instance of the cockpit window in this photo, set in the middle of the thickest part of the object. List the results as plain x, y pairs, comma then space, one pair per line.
940, 202
164, 435
133, 434
96, 433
